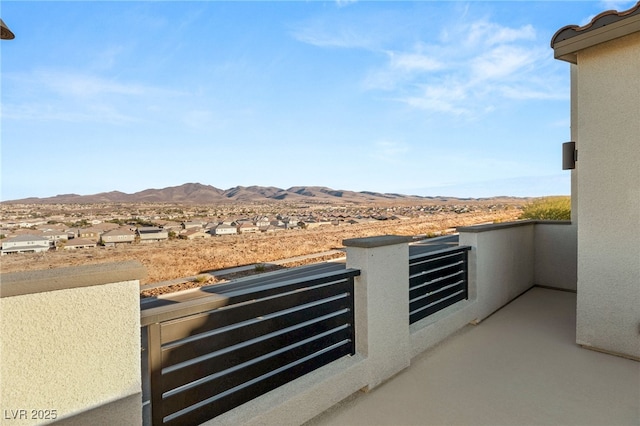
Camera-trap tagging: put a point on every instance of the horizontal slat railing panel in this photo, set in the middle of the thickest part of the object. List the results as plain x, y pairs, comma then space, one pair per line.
263, 336
435, 256
418, 268
218, 404
435, 276
434, 285
437, 280
180, 374
243, 322
430, 298
432, 309
232, 293
256, 367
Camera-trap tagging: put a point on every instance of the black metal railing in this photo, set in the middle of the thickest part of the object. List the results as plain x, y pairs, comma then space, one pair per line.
436, 280
205, 356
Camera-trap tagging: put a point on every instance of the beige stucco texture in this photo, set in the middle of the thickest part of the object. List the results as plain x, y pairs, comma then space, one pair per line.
608, 143
69, 350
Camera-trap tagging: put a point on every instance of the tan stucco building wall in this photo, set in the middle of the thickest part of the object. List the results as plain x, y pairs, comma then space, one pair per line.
608, 183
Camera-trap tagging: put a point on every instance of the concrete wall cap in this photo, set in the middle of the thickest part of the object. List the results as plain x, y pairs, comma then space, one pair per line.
498, 226
379, 241
40, 281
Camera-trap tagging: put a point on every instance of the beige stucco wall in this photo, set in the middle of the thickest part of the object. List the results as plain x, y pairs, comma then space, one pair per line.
71, 350
573, 72
608, 181
501, 264
555, 263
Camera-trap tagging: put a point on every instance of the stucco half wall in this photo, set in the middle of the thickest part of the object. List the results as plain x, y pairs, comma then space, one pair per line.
71, 343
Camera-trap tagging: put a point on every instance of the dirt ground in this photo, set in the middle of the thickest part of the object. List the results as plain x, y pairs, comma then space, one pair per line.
182, 258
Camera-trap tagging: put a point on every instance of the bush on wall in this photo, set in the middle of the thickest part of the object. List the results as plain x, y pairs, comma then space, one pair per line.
548, 208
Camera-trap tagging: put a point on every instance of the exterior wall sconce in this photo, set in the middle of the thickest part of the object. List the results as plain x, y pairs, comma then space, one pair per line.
6, 32
569, 156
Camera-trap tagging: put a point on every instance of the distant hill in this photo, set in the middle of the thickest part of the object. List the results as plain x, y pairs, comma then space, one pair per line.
196, 193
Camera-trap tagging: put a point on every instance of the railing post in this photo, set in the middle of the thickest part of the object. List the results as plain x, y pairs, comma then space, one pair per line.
154, 371
381, 303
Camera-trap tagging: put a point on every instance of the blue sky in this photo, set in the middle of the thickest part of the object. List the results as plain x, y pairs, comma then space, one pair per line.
429, 98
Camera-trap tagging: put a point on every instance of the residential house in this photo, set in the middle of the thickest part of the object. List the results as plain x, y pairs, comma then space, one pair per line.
193, 225
27, 243
262, 221
52, 227
192, 234
54, 236
170, 225
79, 243
32, 223
271, 229
89, 233
105, 226
308, 223
152, 234
25, 231
604, 58
291, 222
223, 229
122, 235
248, 228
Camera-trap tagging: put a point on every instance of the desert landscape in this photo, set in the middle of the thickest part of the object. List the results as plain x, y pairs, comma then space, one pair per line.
377, 214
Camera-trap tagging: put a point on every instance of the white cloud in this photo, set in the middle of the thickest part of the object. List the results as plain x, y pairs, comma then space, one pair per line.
317, 35
522, 92
87, 85
58, 95
442, 97
42, 111
470, 68
389, 151
500, 62
466, 68
401, 67
618, 5
485, 34
413, 62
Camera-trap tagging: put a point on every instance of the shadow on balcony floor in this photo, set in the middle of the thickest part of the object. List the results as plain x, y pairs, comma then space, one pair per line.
518, 367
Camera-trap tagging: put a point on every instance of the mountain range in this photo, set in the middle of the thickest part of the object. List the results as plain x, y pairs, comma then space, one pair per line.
196, 193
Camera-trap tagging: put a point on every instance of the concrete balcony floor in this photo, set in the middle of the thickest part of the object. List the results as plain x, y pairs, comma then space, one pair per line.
520, 366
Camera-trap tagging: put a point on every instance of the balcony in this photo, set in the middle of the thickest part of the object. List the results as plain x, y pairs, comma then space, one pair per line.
519, 366
484, 335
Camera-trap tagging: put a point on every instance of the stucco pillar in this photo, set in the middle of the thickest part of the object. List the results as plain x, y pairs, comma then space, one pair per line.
381, 303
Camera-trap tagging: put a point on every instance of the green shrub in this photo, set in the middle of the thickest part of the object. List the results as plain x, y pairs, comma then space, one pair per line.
548, 208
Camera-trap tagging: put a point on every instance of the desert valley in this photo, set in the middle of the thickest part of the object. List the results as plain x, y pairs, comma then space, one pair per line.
267, 224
